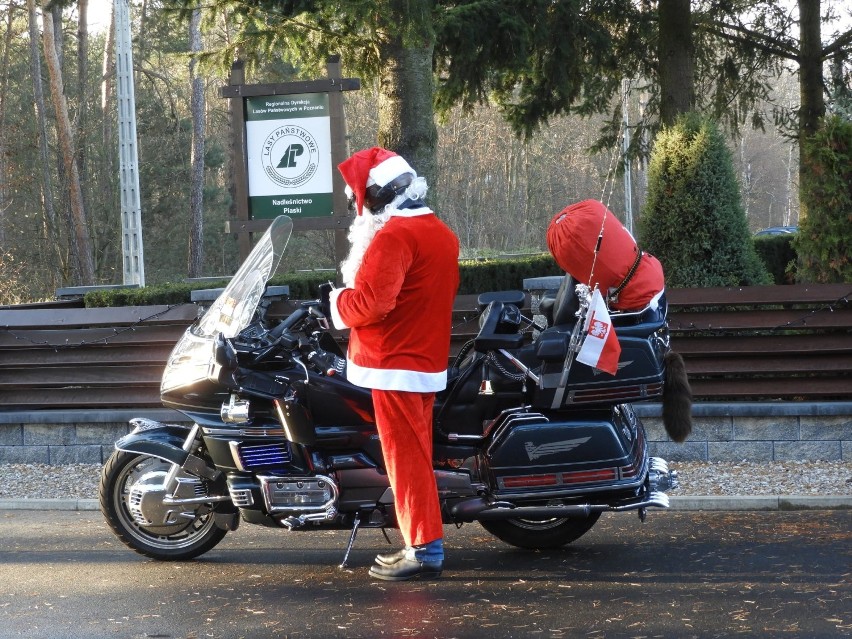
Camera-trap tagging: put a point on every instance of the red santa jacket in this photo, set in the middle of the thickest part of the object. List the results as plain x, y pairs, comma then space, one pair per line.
572, 238
400, 309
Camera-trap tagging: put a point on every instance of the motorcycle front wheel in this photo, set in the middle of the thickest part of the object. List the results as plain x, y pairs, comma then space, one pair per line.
130, 493
540, 534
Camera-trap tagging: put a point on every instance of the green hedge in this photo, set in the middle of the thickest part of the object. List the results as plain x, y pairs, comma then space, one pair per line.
475, 276
501, 275
171, 293
825, 227
778, 256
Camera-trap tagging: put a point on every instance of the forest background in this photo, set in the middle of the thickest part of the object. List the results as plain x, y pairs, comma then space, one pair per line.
497, 190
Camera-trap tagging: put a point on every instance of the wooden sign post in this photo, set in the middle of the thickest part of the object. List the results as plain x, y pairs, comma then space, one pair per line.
288, 140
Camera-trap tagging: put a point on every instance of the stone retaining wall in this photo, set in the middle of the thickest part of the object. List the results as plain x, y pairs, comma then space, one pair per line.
764, 431
68, 437
769, 431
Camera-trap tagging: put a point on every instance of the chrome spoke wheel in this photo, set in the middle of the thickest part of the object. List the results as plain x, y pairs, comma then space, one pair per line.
131, 495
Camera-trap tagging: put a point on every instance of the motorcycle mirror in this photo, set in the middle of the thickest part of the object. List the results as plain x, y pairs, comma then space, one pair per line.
224, 353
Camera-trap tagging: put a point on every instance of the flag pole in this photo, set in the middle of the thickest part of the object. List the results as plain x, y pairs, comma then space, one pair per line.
574, 344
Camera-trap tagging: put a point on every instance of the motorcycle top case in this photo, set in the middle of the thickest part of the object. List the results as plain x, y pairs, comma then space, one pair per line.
644, 342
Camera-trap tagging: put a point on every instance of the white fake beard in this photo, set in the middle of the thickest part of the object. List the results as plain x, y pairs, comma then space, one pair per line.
361, 233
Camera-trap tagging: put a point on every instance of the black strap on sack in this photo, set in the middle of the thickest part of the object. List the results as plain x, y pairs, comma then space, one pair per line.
613, 296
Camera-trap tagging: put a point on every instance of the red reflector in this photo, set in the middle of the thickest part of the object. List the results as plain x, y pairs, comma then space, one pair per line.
628, 471
530, 480
582, 476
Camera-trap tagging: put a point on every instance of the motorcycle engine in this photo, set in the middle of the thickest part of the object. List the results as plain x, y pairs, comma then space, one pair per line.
316, 494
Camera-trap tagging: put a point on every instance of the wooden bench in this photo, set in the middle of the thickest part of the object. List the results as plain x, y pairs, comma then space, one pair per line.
765, 342
774, 342
87, 357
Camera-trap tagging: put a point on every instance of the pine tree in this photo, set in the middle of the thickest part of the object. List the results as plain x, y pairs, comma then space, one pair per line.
693, 219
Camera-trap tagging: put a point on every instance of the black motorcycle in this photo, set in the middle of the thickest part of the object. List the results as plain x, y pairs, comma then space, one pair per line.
528, 442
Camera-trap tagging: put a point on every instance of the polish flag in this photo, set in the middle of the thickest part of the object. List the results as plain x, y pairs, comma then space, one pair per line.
600, 348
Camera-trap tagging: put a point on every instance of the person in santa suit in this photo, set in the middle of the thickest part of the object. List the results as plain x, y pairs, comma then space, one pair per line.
400, 281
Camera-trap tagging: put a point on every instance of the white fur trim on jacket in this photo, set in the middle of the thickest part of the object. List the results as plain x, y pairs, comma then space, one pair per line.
338, 322
395, 379
423, 210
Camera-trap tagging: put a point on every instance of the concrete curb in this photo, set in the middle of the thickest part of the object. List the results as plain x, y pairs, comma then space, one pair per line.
686, 503
49, 504
763, 502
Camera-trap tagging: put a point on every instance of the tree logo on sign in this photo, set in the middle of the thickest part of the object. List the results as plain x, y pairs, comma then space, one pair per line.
290, 156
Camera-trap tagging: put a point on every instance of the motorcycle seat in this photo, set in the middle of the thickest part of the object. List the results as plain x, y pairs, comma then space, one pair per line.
643, 322
561, 310
562, 307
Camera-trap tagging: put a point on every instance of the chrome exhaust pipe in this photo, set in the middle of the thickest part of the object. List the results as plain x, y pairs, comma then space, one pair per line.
660, 478
479, 509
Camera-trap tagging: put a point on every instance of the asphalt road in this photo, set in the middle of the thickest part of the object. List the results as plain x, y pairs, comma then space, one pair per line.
681, 574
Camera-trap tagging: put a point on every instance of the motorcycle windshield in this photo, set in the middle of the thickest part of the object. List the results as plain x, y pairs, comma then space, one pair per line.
232, 311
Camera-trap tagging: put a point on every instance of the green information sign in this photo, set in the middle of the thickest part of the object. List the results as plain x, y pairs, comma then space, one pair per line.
288, 153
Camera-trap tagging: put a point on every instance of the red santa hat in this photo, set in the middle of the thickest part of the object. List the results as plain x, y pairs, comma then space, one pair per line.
371, 166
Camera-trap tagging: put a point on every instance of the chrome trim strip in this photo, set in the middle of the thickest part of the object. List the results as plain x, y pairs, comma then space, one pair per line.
564, 490
196, 500
257, 431
235, 454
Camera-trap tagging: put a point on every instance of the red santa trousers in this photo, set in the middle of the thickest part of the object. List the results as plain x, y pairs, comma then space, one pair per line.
404, 422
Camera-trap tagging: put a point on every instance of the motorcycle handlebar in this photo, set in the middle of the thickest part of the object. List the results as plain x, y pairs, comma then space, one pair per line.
322, 361
297, 316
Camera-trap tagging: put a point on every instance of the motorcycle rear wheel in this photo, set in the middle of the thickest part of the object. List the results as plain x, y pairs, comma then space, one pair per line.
540, 534
181, 540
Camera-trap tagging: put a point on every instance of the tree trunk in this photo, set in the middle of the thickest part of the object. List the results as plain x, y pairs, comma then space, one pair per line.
79, 233
406, 113
107, 74
82, 101
50, 231
676, 59
5, 204
108, 115
68, 246
811, 98
196, 179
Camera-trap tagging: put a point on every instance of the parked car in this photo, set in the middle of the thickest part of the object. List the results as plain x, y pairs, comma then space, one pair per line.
777, 230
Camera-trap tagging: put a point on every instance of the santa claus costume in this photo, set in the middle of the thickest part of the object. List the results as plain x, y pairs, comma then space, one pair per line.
400, 280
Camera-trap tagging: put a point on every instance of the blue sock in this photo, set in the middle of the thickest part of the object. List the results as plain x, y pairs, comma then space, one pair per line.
433, 551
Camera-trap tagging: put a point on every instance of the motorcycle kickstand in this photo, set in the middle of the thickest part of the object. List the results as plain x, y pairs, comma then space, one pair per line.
355, 525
